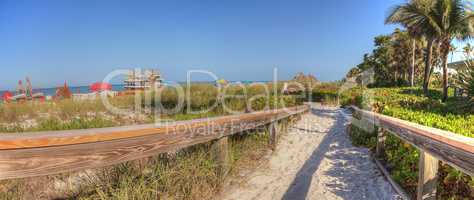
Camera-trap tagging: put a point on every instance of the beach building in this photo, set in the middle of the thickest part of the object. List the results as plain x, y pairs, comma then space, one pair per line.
96, 89
143, 80
93, 95
458, 67
454, 67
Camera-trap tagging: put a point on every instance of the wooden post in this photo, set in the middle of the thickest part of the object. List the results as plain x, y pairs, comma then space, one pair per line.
380, 148
272, 130
220, 149
427, 177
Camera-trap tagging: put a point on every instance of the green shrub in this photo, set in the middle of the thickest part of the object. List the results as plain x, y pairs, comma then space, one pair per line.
360, 137
402, 161
401, 158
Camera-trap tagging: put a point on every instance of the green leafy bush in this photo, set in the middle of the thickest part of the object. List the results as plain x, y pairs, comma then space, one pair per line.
359, 137
401, 158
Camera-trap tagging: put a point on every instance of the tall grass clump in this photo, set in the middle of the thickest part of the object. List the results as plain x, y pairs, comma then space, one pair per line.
197, 101
190, 173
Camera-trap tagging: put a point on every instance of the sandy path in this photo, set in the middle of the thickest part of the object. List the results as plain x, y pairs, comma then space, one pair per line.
315, 160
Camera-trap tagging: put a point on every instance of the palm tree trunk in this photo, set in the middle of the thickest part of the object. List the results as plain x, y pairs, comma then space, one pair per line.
412, 67
445, 72
428, 66
395, 77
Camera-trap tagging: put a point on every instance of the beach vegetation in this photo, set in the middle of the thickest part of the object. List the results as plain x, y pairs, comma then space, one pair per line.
189, 173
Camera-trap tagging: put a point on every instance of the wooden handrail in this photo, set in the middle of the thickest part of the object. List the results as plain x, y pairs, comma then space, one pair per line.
51, 152
454, 149
434, 144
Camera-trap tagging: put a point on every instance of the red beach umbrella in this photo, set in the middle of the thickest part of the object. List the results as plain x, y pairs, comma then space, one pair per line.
97, 87
6, 96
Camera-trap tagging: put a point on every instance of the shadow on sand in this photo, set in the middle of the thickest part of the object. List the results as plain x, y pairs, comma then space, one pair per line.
301, 184
351, 174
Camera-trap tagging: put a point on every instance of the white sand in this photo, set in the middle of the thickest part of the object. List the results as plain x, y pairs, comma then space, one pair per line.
315, 160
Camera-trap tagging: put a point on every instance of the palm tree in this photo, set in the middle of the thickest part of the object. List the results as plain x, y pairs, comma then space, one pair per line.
450, 20
414, 37
441, 21
414, 33
398, 48
414, 16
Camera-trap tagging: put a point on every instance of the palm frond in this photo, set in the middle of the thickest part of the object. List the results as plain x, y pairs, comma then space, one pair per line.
415, 16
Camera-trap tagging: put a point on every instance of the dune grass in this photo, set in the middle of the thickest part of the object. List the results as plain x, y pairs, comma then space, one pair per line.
199, 100
189, 173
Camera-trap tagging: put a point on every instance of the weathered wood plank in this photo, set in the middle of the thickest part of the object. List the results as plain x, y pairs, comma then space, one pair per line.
451, 148
392, 182
18, 162
58, 138
273, 135
461, 141
380, 148
427, 177
220, 149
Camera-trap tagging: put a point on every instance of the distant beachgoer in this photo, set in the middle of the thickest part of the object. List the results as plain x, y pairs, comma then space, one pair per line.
20, 89
57, 92
29, 88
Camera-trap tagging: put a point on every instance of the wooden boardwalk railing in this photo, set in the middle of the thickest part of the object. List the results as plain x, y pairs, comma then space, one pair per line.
434, 145
52, 152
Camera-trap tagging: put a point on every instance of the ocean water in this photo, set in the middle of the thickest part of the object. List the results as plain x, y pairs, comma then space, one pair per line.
74, 90
117, 87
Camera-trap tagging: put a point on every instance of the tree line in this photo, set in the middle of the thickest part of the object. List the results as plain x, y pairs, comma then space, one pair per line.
408, 56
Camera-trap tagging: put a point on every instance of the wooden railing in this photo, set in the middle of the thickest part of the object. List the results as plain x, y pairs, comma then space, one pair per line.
434, 144
52, 152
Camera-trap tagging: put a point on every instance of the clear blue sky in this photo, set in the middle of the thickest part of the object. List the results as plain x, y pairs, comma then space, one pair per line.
81, 41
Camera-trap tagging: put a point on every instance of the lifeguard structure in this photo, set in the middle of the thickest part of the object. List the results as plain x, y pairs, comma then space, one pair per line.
24, 93
142, 80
